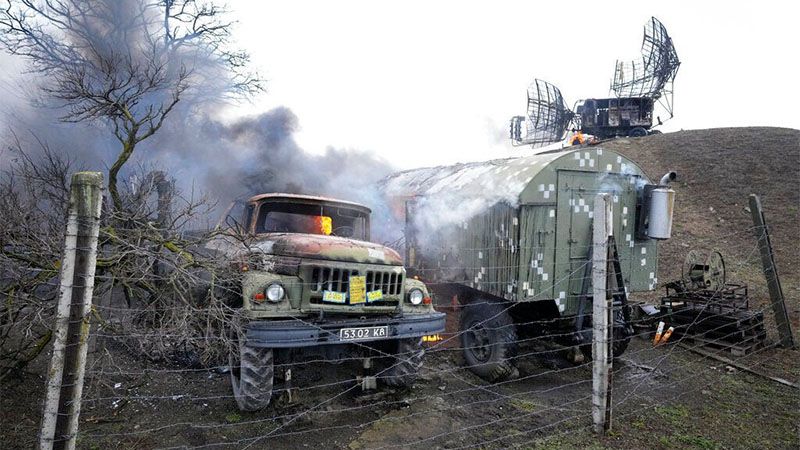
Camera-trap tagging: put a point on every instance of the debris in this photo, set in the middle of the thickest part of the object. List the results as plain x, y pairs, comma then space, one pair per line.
666, 336
704, 307
659, 332
732, 364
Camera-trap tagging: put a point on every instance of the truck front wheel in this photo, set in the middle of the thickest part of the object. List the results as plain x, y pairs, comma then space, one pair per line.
251, 371
489, 340
405, 365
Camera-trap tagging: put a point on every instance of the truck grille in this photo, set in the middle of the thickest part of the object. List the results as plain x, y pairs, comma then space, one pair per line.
329, 279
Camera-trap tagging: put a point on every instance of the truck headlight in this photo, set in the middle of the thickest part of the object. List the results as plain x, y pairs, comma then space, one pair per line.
275, 292
415, 296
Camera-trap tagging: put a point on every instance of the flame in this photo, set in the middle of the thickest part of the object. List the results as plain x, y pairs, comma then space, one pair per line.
324, 224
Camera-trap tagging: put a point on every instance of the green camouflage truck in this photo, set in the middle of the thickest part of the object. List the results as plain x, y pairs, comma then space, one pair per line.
313, 287
511, 238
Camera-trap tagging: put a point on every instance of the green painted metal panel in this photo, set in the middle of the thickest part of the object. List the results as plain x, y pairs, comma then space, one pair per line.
531, 243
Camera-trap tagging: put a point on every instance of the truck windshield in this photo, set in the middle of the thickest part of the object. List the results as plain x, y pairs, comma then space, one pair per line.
311, 219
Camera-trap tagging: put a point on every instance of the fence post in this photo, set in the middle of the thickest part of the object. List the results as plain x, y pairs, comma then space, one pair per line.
602, 228
71, 329
771, 273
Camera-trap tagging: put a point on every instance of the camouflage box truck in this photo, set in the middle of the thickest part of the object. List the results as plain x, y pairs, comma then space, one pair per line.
313, 286
511, 238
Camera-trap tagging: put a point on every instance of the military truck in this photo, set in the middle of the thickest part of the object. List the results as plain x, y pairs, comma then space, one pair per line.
313, 287
511, 239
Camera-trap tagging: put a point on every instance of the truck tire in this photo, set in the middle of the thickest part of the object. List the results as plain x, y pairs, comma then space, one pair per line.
637, 132
621, 339
489, 340
251, 376
404, 368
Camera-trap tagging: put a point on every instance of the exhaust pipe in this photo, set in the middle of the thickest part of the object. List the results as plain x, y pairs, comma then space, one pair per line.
659, 214
669, 176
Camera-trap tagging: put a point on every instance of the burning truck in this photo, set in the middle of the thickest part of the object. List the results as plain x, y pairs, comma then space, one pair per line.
512, 238
313, 286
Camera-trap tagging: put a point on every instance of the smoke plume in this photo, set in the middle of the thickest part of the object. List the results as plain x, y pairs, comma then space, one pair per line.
123, 40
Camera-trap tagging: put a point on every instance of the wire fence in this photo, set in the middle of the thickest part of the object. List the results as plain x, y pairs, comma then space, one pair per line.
150, 384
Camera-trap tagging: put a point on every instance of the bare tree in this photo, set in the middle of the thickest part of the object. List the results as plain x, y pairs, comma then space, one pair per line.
34, 196
176, 299
126, 62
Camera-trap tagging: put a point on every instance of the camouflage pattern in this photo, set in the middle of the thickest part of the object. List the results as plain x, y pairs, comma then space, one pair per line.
531, 240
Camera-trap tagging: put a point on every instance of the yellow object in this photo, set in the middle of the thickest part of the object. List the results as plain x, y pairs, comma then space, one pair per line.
431, 338
358, 289
334, 297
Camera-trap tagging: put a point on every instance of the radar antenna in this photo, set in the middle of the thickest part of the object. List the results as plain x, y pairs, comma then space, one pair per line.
548, 117
653, 75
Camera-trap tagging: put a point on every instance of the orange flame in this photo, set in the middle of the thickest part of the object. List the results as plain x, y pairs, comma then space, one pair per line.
324, 224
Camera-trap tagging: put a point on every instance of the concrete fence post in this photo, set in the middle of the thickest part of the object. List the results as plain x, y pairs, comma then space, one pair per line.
71, 328
771, 274
602, 228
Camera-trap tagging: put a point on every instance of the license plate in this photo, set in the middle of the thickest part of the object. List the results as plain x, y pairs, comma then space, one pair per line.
357, 334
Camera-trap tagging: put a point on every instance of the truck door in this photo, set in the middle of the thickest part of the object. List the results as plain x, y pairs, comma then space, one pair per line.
576, 192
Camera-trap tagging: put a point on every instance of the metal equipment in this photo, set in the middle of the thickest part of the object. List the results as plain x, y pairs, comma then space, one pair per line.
637, 86
703, 306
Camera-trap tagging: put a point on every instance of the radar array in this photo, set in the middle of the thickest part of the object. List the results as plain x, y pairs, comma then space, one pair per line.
652, 75
636, 85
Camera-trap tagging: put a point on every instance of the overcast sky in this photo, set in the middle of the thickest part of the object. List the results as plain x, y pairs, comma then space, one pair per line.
428, 82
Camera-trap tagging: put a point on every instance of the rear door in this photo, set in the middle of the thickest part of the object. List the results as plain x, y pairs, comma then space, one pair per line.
576, 193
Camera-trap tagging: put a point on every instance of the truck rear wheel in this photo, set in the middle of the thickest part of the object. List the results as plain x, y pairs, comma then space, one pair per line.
405, 366
489, 340
621, 338
637, 132
251, 371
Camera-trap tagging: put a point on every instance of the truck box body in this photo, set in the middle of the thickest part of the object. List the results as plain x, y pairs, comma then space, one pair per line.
520, 228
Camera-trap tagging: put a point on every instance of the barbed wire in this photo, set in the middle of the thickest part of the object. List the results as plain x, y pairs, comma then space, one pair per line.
99, 373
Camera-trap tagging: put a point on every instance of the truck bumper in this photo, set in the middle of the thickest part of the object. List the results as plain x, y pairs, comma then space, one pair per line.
295, 333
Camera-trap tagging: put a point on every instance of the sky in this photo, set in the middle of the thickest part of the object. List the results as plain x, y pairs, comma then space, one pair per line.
428, 83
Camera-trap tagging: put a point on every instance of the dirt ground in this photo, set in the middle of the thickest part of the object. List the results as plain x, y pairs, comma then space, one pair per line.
664, 397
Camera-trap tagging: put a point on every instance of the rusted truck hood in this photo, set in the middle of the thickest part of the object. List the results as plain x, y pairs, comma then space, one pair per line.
326, 247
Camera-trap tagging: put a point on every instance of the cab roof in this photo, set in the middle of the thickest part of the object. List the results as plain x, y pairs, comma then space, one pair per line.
284, 197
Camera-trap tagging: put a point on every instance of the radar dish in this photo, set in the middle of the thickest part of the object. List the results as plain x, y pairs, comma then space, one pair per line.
548, 117
651, 76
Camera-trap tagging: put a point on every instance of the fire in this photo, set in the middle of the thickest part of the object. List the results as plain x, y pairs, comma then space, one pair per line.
324, 224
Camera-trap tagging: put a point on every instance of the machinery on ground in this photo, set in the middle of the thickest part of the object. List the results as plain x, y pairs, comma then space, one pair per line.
704, 306
314, 287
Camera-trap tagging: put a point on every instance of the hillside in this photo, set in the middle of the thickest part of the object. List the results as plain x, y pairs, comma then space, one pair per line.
717, 170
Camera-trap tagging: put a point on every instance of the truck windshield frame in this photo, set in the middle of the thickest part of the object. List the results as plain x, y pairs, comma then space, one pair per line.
311, 218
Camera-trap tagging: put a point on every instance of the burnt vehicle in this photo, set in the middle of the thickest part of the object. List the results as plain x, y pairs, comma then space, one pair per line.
314, 287
611, 117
